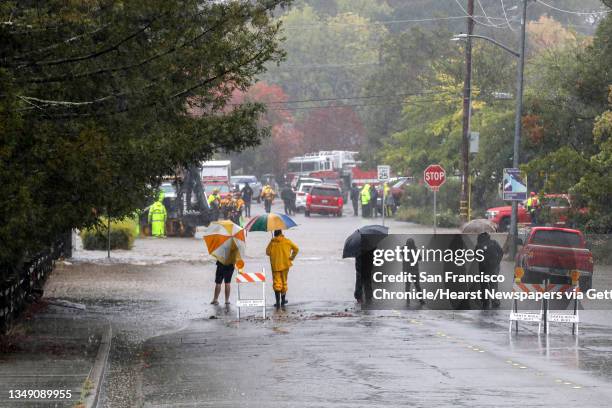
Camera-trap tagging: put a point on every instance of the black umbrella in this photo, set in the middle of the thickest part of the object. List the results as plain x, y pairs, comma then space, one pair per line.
356, 243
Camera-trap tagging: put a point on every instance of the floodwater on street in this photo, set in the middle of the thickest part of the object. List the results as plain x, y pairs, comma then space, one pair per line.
171, 348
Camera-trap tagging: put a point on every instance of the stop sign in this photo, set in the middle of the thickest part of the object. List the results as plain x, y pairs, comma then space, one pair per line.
434, 175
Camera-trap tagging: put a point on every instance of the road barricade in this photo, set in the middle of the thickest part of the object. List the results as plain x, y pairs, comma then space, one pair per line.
251, 277
544, 316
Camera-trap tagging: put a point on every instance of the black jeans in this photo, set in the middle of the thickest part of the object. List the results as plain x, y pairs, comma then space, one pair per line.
268, 205
355, 207
247, 208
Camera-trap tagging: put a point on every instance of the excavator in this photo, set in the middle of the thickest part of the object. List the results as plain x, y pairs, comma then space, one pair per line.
185, 203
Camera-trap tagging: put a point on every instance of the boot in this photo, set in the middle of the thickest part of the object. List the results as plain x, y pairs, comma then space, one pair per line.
284, 301
277, 296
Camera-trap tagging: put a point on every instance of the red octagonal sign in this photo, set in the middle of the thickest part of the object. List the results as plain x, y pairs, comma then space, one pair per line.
434, 175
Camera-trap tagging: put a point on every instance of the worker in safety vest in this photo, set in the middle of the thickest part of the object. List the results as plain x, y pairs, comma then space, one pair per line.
214, 202
365, 201
236, 206
157, 217
267, 195
389, 201
533, 207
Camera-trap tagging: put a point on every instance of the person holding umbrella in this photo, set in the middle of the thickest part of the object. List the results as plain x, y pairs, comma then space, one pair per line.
223, 274
282, 252
226, 243
361, 245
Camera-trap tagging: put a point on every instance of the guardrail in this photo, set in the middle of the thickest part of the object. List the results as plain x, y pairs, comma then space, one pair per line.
28, 281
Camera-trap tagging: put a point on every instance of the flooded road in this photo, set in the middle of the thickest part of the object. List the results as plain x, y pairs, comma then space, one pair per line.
170, 347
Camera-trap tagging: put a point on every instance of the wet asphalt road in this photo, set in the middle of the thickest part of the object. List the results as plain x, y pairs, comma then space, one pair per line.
171, 348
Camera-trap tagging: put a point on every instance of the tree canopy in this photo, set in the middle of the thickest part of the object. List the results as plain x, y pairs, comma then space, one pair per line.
99, 99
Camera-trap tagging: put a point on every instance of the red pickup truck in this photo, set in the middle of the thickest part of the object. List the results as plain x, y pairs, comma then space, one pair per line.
559, 205
550, 252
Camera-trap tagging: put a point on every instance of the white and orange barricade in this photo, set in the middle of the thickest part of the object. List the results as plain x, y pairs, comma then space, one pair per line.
251, 277
544, 316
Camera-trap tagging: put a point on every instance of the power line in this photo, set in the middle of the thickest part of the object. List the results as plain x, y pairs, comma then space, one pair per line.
580, 13
403, 102
416, 20
312, 66
506, 16
385, 22
474, 18
487, 17
402, 95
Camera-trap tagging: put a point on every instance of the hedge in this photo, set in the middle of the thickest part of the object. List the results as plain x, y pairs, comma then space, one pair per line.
122, 235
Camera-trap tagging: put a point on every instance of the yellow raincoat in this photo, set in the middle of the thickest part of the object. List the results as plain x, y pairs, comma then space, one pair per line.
282, 252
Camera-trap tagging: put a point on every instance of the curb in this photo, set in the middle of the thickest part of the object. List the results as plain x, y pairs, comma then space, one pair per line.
96, 375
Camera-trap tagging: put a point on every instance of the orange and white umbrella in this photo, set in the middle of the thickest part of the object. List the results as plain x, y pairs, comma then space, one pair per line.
225, 241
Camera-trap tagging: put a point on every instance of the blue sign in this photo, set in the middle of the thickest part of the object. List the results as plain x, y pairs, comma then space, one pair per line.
514, 186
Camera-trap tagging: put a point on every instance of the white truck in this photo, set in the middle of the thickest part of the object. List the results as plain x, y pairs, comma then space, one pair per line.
216, 171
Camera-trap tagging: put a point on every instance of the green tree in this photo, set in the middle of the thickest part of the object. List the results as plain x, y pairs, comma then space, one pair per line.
327, 57
98, 99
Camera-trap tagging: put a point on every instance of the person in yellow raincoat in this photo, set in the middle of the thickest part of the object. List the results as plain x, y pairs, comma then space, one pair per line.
282, 252
267, 195
157, 217
235, 208
365, 196
214, 203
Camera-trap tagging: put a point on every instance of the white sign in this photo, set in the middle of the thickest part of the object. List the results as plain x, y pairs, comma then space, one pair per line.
514, 186
384, 172
562, 318
526, 317
250, 303
474, 141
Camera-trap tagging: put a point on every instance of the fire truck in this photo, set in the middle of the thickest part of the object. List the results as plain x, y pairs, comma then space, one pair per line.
331, 166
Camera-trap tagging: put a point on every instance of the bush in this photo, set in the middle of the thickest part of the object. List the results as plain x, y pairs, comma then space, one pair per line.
122, 235
417, 205
446, 219
601, 247
419, 196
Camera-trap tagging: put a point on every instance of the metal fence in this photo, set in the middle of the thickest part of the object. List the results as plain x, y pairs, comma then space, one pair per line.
16, 291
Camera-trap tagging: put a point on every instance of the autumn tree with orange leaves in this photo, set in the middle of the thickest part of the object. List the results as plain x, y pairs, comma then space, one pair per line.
285, 140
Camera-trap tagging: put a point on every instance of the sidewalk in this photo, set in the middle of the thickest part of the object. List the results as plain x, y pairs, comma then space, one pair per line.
55, 349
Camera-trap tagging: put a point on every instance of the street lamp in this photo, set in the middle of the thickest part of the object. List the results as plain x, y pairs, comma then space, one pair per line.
463, 36
519, 109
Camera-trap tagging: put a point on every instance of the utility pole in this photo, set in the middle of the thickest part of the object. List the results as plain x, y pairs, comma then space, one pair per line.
467, 112
517, 126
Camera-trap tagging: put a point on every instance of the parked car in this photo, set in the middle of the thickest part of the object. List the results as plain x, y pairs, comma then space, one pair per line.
551, 252
300, 196
240, 181
297, 182
397, 188
324, 199
168, 189
560, 206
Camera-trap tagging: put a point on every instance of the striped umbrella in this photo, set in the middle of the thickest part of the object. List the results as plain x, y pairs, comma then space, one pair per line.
270, 222
225, 241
